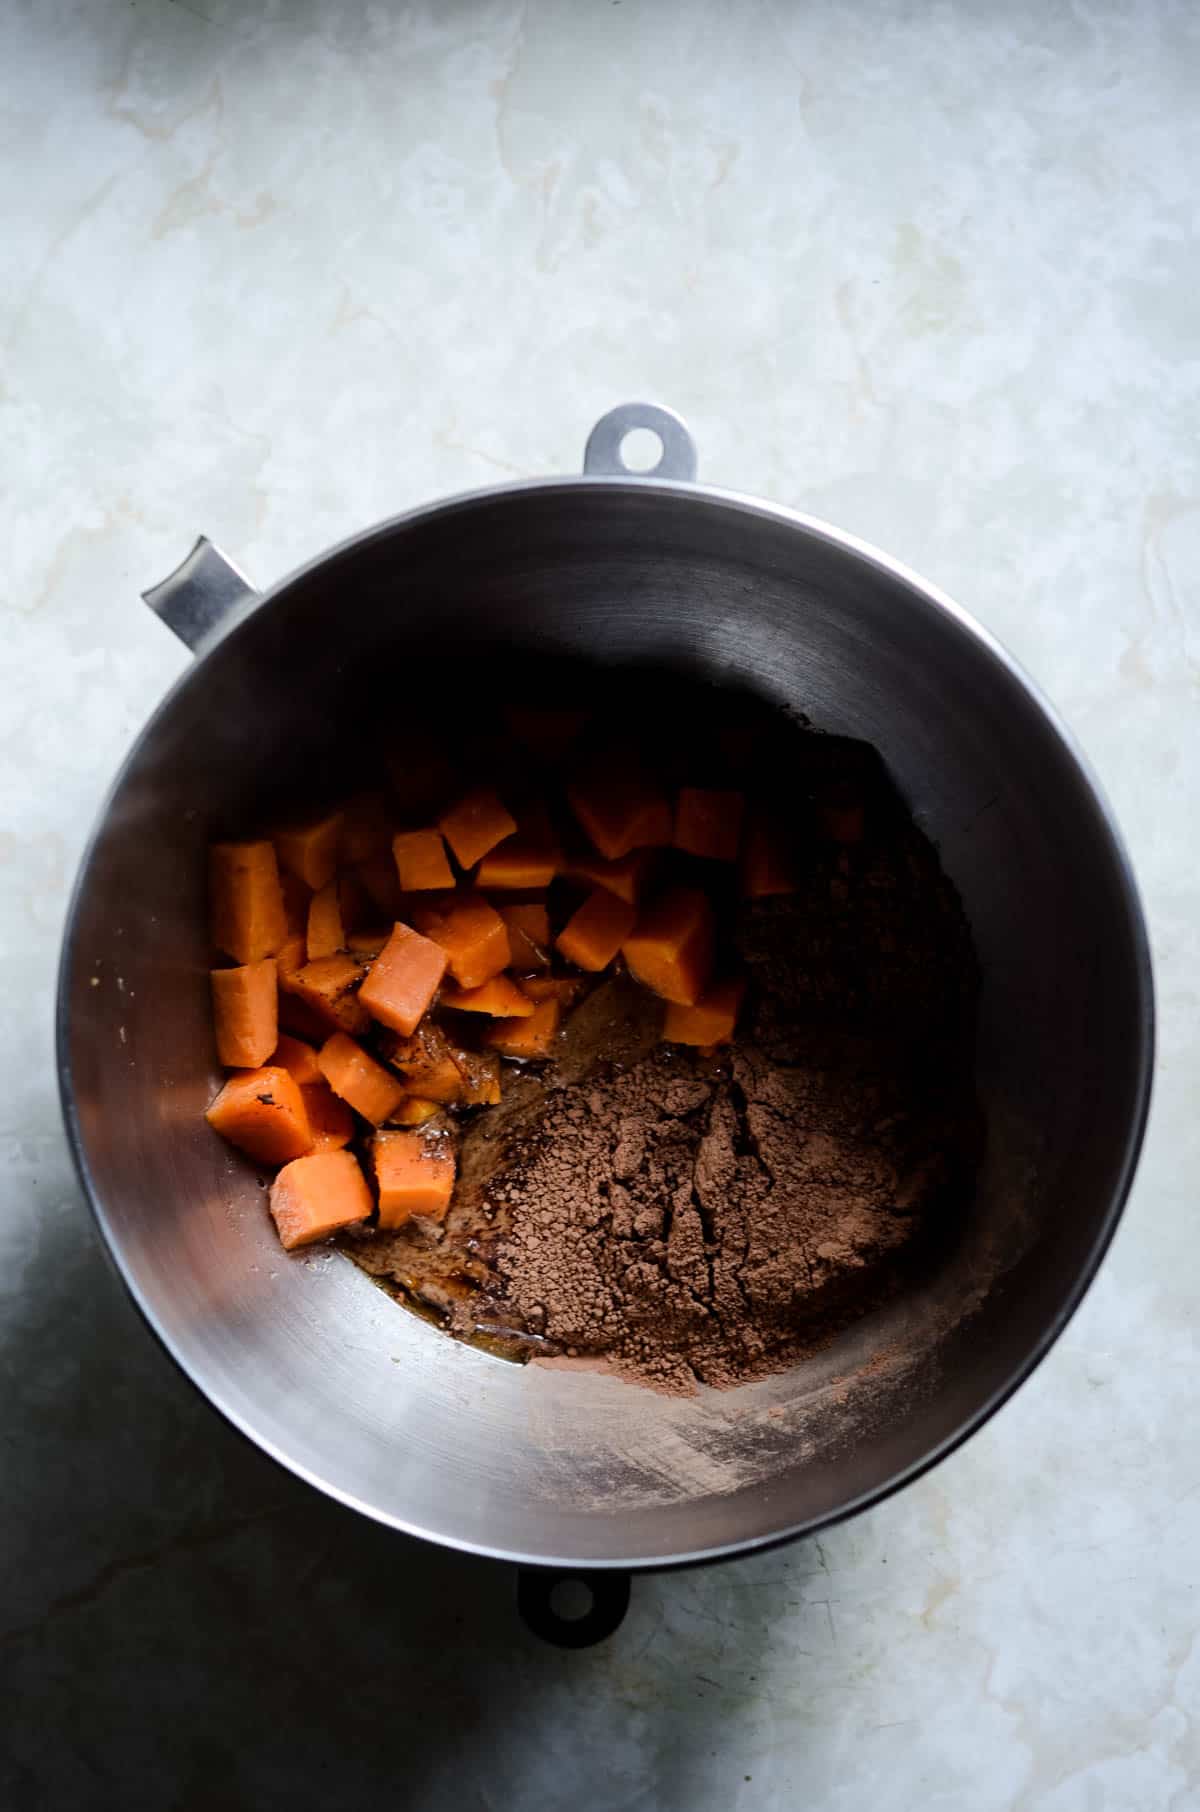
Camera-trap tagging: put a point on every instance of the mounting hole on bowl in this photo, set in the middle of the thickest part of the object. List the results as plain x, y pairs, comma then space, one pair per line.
571, 1599
572, 1610
642, 450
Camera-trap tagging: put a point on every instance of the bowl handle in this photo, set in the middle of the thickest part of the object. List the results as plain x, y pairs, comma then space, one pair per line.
608, 1592
602, 455
200, 593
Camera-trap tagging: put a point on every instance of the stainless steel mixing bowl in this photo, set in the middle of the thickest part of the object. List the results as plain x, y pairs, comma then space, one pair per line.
371, 1404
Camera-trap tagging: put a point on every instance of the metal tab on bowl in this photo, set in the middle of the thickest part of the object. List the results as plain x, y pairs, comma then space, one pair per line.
603, 456
200, 593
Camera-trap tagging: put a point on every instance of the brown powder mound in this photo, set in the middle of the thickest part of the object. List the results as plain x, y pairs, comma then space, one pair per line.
689, 1220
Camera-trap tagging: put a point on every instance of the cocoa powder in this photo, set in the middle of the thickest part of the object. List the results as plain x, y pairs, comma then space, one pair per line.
703, 1221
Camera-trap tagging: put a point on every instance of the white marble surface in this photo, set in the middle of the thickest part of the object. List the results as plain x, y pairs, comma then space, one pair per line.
274, 270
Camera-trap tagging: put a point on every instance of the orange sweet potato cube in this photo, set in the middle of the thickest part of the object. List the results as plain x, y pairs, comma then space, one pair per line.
301, 1020
621, 809
413, 1111
297, 1016
421, 863
592, 937
246, 1013
528, 930
527, 861
712, 1019
329, 1117
518, 865
325, 935
403, 979
429, 1064
671, 947
380, 885
367, 1087
476, 824
529, 1037
262, 1113
316, 1196
330, 986
295, 903
354, 902
500, 997
246, 900
471, 933
414, 1174
298, 1058
708, 822
291, 956
626, 877
369, 942
310, 851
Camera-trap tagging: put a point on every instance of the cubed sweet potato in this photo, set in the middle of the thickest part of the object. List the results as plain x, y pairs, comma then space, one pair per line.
528, 861
246, 1013
472, 934
671, 947
621, 808
403, 979
310, 851
262, 1112
318, 1195
301, 1020
246, 900
413, 1111
325, 934
414, 1175
367, 1087
291, 955
331, 987
528, 928
500, 998
295, 903
626, 877
518, 865
330, 1118
530, 1037
711, 1020
367, 943
355, 904
298, 1058
475, 824
592, 936
421, 862
380, 883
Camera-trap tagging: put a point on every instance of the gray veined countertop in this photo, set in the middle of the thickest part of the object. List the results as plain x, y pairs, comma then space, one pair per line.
274, 270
